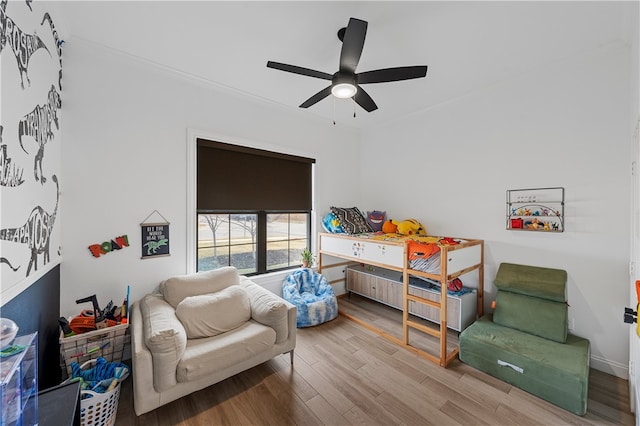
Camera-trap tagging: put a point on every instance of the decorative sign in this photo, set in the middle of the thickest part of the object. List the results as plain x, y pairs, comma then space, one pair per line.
116, 244
155, 238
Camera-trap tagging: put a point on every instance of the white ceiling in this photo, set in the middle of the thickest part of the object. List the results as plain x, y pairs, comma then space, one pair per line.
467, 45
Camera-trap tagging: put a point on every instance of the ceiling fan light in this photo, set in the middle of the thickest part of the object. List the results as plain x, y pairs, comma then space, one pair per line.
344, 90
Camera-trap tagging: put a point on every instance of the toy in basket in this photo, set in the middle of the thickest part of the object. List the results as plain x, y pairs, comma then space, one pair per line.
100, 390
92, 334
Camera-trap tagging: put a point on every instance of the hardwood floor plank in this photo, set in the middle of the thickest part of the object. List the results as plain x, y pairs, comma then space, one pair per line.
411, 413
482, 392
544, 411
303, 389
324, 387
379, 359
357, 388
287, 401
462, 416
358, 417
515, 417
325, 411
606, 413
464, 369
413, 392
461, 401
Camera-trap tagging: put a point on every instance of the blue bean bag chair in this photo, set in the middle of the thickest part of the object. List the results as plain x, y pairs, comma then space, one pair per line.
312, 295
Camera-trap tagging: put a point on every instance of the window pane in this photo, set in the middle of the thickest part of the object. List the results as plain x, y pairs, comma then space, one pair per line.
278, 240
213, 241
286, 237
243, 257
243, 231
227, 240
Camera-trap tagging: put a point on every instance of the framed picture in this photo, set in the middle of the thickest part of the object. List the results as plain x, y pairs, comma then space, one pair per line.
155, 239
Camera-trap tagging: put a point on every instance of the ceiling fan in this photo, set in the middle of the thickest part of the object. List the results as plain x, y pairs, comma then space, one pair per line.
345, 83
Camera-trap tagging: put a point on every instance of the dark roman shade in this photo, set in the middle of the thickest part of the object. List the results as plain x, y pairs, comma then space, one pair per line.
237, 178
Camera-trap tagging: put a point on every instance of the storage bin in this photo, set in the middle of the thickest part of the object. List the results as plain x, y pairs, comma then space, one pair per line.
100, 408
107, 343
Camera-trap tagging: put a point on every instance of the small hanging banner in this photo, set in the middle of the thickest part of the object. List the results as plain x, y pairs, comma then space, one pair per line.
155, 237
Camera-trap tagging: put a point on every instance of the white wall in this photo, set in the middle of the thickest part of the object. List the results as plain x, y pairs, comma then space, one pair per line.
564, 124
125, 155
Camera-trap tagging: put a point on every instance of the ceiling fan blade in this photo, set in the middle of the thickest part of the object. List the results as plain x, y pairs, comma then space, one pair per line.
352, 45
299, 70
317, 97
363, 99
391, 74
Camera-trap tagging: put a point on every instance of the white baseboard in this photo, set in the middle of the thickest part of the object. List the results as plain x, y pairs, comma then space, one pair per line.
610, 367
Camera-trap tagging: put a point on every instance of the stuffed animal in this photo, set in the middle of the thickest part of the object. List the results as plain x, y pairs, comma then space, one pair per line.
376, 219
389, 227
410, 227
331, 224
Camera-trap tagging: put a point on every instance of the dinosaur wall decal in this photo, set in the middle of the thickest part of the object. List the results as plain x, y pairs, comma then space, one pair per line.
22, 44
36, 232
37, 124
10, 174
58, 42
5, 260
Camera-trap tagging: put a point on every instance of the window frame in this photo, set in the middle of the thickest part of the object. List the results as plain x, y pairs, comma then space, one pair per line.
192, 213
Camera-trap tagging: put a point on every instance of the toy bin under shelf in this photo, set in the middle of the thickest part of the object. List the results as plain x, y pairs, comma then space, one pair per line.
107, 343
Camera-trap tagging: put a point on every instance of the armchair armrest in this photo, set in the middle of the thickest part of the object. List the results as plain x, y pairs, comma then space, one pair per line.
269, 309
165, 337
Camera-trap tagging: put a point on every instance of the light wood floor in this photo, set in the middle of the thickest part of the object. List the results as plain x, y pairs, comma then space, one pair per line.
344, 374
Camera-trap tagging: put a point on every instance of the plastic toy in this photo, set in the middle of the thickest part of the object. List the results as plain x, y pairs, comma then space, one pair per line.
455, 285
99, 319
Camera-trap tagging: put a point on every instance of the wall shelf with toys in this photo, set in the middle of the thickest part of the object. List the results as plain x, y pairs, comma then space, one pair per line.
536, 209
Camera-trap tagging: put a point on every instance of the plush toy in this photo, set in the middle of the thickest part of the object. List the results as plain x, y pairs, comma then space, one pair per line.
410, 227
331, 224
389, 227
376, 219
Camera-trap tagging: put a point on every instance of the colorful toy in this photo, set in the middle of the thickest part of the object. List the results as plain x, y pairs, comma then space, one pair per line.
376, 219
331, 224
389, 227
455, 285
410, 227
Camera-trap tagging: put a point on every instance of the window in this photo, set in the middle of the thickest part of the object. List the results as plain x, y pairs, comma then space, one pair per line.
253, 208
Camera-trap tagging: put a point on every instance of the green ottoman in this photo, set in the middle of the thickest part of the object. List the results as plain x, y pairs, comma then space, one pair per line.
556, 372
525, 341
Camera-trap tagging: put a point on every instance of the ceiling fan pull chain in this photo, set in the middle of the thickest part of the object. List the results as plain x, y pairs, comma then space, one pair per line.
354, 107
334, 110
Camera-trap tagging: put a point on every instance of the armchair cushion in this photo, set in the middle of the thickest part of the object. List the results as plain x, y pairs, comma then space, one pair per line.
177, 288
208, 315
206, 356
